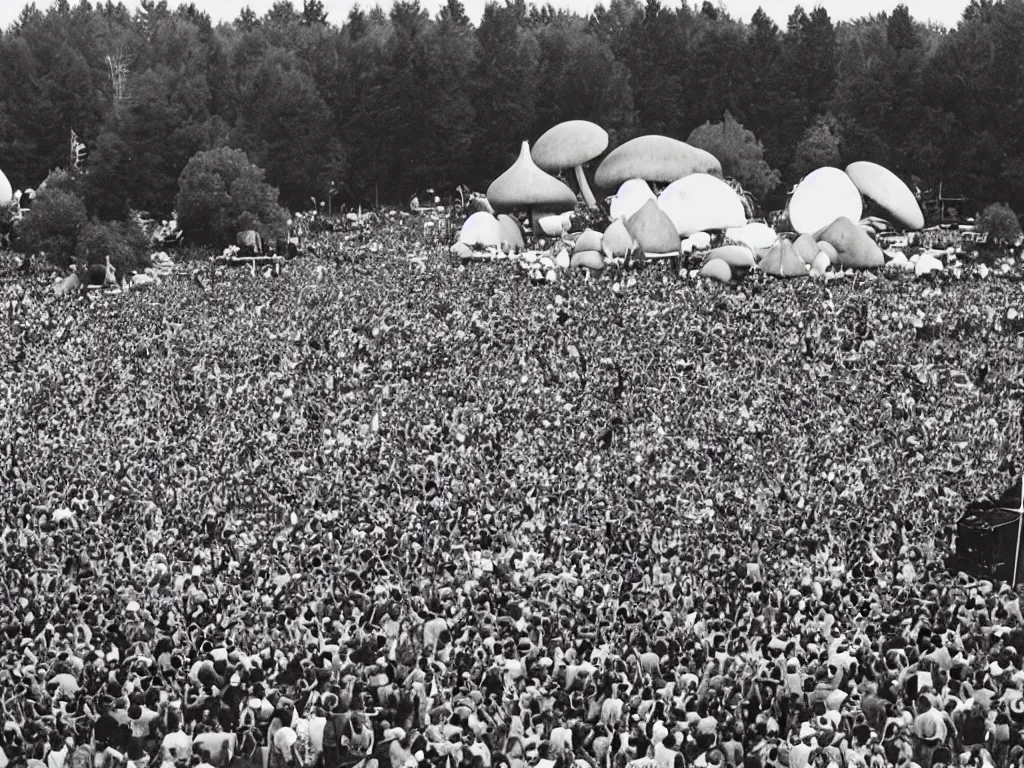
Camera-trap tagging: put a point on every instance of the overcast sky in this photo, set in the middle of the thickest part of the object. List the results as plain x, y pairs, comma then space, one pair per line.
946, 12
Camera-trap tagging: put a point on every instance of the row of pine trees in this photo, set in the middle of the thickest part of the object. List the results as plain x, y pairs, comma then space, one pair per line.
384, 104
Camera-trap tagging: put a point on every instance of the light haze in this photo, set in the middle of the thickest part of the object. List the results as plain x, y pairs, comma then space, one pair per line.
944, 12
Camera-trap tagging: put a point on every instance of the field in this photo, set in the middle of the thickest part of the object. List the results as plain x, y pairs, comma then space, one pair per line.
426, 398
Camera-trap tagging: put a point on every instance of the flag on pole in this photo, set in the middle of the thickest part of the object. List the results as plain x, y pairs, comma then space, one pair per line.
78, 150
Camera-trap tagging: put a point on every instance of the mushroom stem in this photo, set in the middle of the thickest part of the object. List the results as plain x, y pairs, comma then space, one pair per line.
588, 196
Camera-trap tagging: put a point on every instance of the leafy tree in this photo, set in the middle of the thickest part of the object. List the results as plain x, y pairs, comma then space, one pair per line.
388, 102
247, 19
999, 221
504, 91
123, 242
818, 147
313, 12
282, 14
900, 30
740, 153
289, 133
221, 193
54, 222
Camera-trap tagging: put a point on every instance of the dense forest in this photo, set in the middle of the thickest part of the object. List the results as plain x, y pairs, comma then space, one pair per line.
384, 104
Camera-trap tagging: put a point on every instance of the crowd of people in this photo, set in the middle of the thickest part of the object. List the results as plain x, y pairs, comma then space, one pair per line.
392, 511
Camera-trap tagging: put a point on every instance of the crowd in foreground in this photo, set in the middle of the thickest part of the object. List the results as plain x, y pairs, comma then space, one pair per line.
395, 512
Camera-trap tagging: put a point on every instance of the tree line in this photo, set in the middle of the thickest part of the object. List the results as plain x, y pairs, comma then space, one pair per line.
382, 105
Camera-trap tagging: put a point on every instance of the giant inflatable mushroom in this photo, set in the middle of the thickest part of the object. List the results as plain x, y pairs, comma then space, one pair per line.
885, 188
653, 158
526, 187
571, 144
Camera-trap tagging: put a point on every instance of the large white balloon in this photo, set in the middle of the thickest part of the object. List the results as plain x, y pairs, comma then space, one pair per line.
757, 236
481, 229
6, 191
822, 197
630, 198
700, 203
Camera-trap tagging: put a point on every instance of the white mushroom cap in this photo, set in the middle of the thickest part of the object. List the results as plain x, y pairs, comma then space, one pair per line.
569, 144
887, 190
654, 158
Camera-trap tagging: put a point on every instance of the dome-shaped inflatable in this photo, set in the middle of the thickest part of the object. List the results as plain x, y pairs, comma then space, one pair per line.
822, 197
701, 202
717, 269
481, 230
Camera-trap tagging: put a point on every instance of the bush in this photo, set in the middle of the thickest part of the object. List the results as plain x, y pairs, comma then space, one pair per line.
221, 193
60, 180
124, 241
999, 221
54, 222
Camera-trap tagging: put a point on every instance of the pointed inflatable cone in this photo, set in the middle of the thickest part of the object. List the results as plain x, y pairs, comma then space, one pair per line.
589, 240
855, 247
510, 232
653, 230
806, 248
617, 242
927, 264
782, 261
